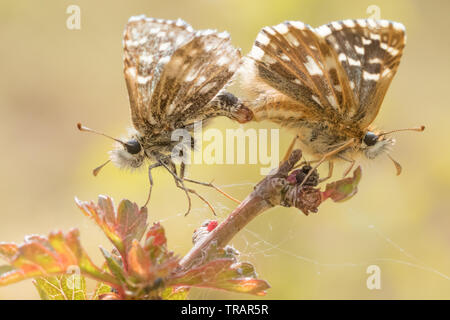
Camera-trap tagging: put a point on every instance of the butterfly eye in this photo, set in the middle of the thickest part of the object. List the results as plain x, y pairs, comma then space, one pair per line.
370, 138
133, 146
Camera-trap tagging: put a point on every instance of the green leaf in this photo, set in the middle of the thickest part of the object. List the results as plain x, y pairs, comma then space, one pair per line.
101, 289
175, 293
114, 265
344, 189
5, 269
63, 287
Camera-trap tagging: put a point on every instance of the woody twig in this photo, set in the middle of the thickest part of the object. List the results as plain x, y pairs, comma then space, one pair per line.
281, 188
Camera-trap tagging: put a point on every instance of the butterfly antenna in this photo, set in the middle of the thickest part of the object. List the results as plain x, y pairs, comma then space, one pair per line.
398, 167
86, 129
420, 129
97, 170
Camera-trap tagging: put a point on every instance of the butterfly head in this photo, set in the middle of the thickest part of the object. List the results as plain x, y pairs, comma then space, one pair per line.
374, 144
129, 154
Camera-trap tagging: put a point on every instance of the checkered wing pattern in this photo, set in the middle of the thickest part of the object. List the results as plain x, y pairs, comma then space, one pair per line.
370, 52
339, 71
173, 72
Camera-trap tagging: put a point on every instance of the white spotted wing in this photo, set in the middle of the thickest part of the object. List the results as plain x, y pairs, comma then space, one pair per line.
338, 71
172, 71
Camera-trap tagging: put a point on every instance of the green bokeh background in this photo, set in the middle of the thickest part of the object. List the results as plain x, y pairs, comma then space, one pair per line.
53, 77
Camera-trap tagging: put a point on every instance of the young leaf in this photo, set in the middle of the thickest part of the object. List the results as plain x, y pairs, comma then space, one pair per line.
175, 293
5, 269
8, 250
156, 235
155, 241
222, 274
121, 226
114, 265
101, 290
135, 271
40, 256
62, 287
139, 263
344, 189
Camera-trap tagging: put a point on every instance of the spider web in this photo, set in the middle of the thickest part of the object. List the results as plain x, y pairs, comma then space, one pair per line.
253, 245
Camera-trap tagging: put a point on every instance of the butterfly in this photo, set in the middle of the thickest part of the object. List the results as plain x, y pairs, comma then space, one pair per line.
175, 76
327, 84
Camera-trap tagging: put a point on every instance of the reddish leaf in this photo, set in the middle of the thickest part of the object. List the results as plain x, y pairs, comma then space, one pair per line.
223, 274
131, 222
8, 250
156, 242
121, 226
139, 263
343, 189
40, 256
135, 271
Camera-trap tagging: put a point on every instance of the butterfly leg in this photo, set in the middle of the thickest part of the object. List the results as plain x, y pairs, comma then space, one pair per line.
301, 164
206, 184
209, 184
180, 184
330, 171
203, 199
326, 156
150, 178
352, 163
182, 170
291, 147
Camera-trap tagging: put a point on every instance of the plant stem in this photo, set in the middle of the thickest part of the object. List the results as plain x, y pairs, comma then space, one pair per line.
266, 194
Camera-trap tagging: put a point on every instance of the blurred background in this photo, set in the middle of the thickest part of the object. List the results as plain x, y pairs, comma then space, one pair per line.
53, 77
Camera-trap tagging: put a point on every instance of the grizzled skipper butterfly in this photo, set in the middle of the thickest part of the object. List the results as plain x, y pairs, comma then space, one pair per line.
175, 76
327, 84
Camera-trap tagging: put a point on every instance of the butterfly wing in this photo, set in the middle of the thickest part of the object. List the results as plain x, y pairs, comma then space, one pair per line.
369, 52
148, 44
195, 74
338, 72
295, 61
173, 71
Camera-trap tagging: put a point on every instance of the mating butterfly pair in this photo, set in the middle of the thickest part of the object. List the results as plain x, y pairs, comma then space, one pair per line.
326, 83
